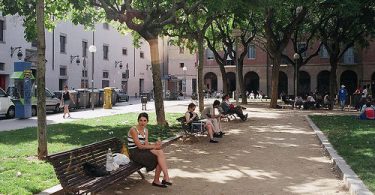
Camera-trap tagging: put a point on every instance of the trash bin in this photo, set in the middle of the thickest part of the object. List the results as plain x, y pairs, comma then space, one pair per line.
83, 98
144, 102
101, 97
94, 97
107, 103
74, 98
114, 96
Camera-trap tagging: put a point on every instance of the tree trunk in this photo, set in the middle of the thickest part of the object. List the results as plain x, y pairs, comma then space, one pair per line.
241, 82
200, 73
156, 78
41, 70
333, 80
225, 80
275, 80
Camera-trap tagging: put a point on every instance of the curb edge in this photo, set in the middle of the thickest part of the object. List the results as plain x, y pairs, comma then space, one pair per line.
350, 178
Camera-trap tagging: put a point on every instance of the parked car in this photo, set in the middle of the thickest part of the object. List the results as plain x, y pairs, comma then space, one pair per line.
121, 95
7, 107
52, 103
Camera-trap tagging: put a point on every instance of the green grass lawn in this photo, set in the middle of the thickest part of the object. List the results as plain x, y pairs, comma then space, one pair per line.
354, 140
18, 148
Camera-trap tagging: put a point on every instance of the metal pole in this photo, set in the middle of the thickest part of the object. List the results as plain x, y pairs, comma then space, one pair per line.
92, 72
184, 83
296, 79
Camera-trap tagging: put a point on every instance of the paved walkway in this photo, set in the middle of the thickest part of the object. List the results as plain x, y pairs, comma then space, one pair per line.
274, 152
133, 105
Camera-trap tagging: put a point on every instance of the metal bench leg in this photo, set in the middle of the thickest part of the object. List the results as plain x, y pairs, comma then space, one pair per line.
141, 174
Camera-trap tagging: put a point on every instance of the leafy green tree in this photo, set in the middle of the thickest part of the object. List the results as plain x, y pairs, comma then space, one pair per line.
35, 18
193, 26
306, 33
243, 16
148, 19
346, 24
281, 19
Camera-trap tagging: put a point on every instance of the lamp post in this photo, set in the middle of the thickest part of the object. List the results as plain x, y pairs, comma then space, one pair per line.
92, 50
236, 33
296, 57
184, 69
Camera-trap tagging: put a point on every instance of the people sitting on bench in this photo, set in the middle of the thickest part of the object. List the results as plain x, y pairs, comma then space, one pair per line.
327, 101
309, 103
229, 108
212, 114
149, 155
298, 102
192, 116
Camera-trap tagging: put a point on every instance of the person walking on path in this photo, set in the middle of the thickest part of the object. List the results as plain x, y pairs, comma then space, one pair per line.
149, 155
342, 94
65, 101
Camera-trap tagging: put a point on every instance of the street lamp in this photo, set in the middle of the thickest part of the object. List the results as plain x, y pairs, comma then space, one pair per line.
92, 50
296, 57
184, 69
236, 33
19, 52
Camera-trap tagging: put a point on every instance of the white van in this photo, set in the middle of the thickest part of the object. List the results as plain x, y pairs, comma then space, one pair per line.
7, 107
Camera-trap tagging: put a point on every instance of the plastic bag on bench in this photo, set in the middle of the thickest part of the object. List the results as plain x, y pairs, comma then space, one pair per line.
120, 159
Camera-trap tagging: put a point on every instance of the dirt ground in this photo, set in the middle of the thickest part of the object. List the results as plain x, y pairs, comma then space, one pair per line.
273, 152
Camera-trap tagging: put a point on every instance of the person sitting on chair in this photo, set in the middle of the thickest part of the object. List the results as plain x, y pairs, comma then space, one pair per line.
368, 112
191, 116
212, 114
298, 102
229, 108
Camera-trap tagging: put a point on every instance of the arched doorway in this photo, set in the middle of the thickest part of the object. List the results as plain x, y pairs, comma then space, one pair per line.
304, 83
323, 81
252, 82
210, 81
283, 83
231, 81
350, 80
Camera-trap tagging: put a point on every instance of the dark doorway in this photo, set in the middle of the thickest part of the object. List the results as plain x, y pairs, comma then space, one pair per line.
252, 82
304, 83
210, 81
323, 81
283, 83
350, 80
231, 81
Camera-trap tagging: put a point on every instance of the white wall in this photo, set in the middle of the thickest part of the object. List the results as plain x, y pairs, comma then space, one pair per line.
14, 37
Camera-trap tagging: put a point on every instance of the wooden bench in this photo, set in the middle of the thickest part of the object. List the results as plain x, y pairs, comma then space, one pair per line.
69, 170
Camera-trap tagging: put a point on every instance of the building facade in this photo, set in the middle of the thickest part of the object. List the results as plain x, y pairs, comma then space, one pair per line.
116, 62
356, 69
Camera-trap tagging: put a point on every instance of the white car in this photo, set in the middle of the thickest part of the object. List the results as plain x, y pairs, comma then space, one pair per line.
7, 107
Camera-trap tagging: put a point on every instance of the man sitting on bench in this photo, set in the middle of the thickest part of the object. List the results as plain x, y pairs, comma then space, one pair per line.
212, 114
229, 108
